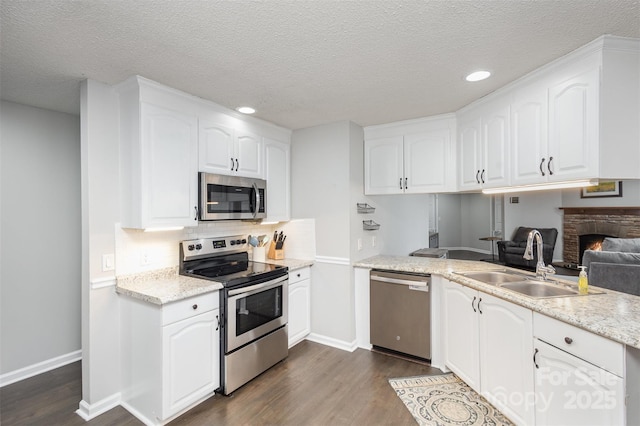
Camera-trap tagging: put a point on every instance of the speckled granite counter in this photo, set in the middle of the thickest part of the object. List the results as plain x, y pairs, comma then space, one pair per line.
163, 286
613, 315
166, 285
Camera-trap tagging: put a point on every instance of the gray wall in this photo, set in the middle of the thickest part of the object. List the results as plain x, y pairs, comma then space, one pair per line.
40, 225
463, 219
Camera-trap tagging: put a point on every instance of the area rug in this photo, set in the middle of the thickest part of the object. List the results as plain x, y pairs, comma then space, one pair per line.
445, 400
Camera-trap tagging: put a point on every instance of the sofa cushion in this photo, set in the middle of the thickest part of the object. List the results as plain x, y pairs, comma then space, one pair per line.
618, 257
627, 245
623, 278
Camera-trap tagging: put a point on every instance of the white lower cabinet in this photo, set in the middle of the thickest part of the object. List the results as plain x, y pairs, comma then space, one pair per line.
488, 344
575, 382
299, 324
171, 356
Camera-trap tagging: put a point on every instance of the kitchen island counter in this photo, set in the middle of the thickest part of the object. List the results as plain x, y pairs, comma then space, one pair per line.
613, 315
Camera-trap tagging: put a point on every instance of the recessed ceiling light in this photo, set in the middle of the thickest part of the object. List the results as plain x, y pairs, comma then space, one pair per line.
478, 75
245, 110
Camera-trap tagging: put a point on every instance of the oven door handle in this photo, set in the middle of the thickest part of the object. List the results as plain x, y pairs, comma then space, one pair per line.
261, 286
257, 199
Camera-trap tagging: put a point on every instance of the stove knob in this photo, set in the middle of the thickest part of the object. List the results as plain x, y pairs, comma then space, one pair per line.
198, 246
238, 241
191, 247
244, 241
232, 242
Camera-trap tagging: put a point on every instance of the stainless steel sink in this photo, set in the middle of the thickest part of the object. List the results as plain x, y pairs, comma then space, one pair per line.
539, 289
494, 277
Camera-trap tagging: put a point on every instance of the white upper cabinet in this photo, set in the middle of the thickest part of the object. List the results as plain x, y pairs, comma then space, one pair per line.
483, 146
415, 156
229, 151
159, 160
277, 173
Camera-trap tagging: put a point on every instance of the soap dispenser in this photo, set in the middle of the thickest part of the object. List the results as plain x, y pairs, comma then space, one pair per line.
583, 281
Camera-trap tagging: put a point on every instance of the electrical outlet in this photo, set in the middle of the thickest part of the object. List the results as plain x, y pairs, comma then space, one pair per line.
108, 262
373, 241
145, 259
359, 244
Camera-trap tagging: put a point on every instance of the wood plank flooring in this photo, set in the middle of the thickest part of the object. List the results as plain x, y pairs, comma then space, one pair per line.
315, 385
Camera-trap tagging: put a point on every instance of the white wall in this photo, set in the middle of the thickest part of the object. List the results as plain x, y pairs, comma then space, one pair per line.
40, 244
449, 219
475, 215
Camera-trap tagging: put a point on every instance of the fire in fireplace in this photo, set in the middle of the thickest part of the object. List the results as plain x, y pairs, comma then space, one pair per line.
590, 242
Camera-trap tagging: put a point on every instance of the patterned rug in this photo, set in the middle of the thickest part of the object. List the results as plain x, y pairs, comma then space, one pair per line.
445, 400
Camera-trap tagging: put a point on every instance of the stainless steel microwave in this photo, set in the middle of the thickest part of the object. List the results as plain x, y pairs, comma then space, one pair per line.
231, 197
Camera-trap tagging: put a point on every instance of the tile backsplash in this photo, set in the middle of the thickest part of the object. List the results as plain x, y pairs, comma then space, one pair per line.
139, 251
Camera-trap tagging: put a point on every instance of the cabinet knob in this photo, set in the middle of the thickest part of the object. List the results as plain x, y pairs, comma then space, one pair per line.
568, 340
195, 307
298, 275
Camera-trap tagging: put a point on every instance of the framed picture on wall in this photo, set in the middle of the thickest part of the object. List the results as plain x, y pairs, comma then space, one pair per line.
611, 188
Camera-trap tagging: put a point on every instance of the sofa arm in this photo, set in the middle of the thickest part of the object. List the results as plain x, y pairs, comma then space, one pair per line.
615, 257
619, 277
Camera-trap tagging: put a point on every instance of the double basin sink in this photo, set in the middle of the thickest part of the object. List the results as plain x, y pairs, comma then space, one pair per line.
525, 284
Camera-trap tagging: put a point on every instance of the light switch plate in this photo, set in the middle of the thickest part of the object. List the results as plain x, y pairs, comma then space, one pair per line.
108, 262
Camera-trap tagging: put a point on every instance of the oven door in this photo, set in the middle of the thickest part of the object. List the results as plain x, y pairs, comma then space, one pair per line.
232, 197
256, 310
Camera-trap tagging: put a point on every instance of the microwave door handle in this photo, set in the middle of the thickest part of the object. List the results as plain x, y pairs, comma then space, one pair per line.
257, 199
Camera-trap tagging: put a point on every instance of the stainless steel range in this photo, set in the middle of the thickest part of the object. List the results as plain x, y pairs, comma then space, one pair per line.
253, 305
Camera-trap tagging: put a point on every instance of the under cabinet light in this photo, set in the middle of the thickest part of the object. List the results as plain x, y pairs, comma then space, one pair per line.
168, 228
246, 110
542, 186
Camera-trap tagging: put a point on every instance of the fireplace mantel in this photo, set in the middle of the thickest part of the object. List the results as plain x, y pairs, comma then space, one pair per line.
622, 211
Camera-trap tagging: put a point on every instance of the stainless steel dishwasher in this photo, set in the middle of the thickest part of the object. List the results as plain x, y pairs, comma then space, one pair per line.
400, 312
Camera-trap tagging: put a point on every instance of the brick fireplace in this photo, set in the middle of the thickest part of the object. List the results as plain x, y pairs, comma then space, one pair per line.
585, 227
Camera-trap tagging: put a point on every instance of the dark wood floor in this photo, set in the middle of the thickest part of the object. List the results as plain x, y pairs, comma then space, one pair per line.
315, 385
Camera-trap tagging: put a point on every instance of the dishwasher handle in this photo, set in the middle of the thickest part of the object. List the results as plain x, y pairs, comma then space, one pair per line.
412, 283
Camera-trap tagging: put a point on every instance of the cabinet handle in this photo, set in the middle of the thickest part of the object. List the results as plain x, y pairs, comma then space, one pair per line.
549, 166
542, 171
482, 176
195, 307
400, 183
568, 340
196, 212
231, 163
477, 174
218, 326
406, 185
237, 164
534, 358
480, 300
472, 302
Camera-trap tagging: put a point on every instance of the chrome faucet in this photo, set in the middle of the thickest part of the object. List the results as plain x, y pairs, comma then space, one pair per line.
541, 269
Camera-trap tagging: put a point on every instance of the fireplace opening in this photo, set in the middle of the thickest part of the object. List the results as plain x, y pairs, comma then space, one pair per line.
590, 242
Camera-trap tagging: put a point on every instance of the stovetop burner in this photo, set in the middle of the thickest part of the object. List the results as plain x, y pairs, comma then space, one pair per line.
225, 260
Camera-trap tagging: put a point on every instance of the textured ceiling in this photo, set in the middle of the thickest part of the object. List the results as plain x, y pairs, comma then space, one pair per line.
299, 63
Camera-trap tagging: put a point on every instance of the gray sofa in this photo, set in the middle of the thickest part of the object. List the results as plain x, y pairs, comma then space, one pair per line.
617, 266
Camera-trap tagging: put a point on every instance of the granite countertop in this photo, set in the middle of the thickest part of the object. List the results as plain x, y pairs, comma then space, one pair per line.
613, 315
164, 286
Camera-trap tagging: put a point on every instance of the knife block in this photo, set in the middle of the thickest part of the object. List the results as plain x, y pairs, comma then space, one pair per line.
274, 252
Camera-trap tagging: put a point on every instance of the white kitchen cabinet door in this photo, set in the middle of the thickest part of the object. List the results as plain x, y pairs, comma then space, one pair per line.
169, 164
426, 157
277, 174
529, 136
496, 146
461, 333
227, 151
574, 127
383, 163
571, 391
299, 325
470, 161
217, 148
506, 347
249, 154
191, 360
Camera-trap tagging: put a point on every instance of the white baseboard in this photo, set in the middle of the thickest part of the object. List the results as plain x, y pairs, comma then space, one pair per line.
330, 341
89, 411
39, 368
137, 414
